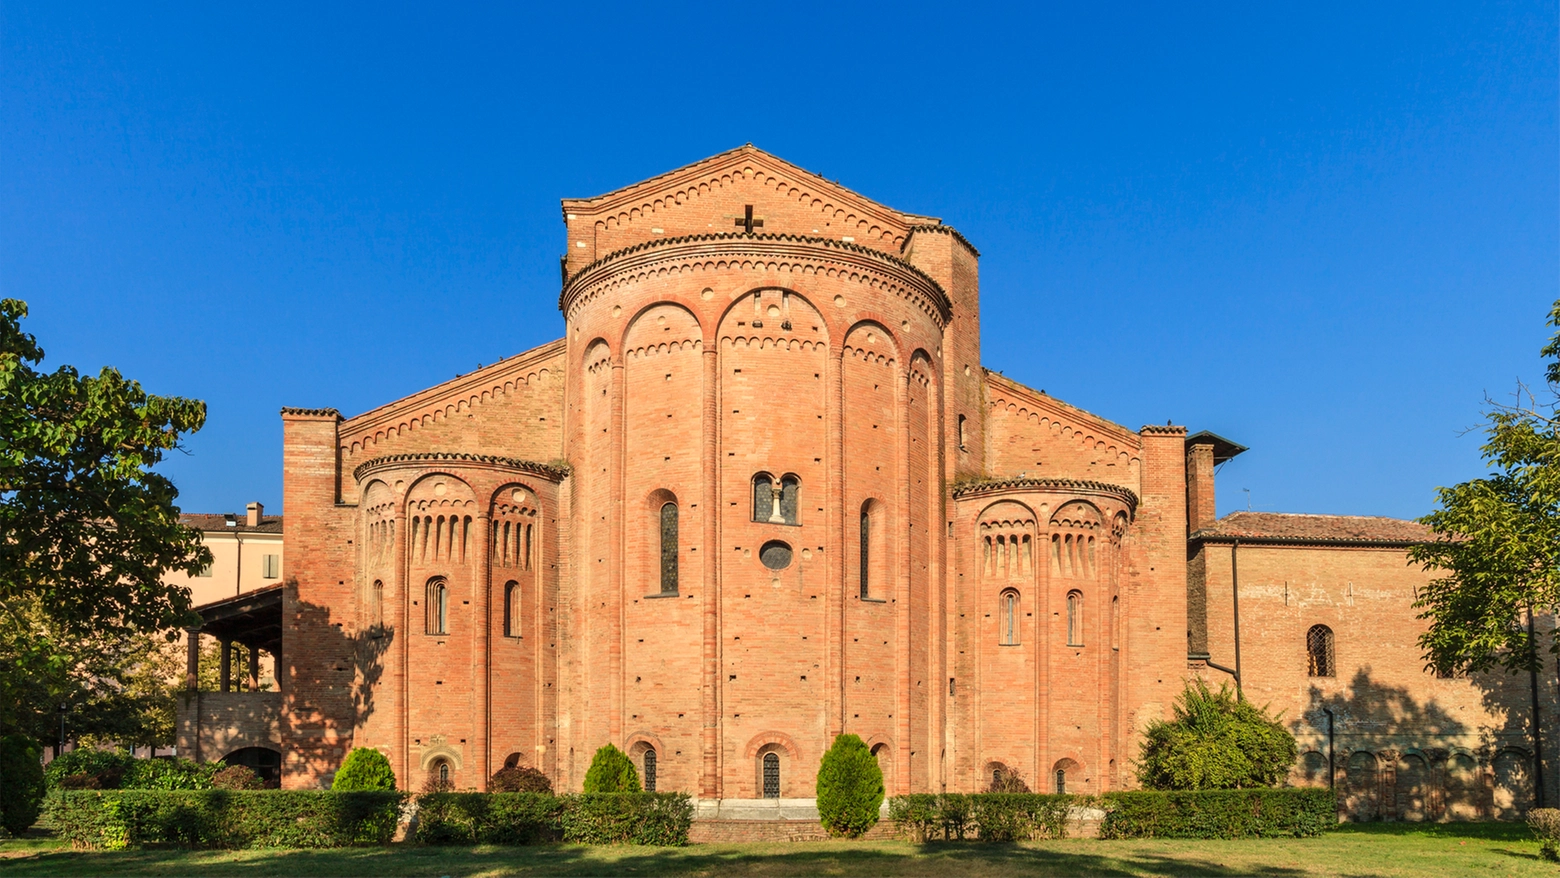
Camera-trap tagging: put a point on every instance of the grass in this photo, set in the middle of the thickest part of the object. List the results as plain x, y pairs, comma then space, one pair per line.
1355, 850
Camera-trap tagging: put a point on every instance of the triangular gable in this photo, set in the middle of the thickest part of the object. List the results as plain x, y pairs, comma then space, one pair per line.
709, 196
361, 436
1024, 401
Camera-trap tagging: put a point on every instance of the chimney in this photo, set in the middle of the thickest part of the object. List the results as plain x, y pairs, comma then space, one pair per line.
1204, 451
255, 513
1199, 486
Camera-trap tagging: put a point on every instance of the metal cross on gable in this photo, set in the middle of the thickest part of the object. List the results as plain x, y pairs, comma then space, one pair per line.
747, 222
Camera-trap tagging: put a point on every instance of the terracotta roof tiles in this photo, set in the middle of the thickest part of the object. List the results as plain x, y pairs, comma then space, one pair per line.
1294, 527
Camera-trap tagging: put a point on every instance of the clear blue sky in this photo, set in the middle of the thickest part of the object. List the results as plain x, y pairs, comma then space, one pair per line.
1324, 231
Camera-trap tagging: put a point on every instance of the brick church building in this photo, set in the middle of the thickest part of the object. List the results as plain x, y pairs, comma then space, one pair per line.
763, 491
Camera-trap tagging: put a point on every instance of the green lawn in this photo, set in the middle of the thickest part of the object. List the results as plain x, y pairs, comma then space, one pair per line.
1390, 849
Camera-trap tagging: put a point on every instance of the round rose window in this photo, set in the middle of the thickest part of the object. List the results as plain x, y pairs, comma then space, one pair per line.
775, 555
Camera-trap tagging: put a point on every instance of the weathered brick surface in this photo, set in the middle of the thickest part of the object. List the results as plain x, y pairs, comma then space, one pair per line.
839, 345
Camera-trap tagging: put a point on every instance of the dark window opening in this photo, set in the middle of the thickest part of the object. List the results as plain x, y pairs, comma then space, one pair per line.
669, 548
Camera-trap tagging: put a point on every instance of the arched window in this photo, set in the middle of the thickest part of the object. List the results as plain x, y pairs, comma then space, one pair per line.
379, 602
669, 548
1319, 651
439, 776
961, 433
438, 609
764, 498
512, 609
790, 499
1061, 781
866, 549
1074, 618
649, 769
1008, 618
771, 775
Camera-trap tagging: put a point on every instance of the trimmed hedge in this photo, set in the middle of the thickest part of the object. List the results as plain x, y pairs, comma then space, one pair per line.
985, 816
628, 818
1273, 813
489, 818
119, 819
533, 818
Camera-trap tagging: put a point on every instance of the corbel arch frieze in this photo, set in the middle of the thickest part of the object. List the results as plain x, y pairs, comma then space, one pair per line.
778, 256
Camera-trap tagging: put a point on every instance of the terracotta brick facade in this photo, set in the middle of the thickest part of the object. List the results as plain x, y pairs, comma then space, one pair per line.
761, 492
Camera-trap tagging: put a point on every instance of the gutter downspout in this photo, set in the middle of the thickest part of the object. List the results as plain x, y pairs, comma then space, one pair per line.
1235, 592
1235, 596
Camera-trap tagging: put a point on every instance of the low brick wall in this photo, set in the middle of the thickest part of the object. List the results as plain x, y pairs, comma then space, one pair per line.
745, 831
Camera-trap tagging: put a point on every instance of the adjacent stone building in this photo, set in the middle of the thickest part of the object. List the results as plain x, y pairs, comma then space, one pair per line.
763, 491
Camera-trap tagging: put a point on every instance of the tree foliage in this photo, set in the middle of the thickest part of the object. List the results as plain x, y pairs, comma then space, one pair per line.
364, 770
1214, 741
21, 783
86, 527
117, 688
611, 771
87, 533
1498, 538
850, 788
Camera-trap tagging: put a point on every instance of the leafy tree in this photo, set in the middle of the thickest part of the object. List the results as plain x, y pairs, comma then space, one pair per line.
611, 771
364, 769
21, 783
1216, 741
850, 788
1498, 538
87, 532
117, 688
86, 526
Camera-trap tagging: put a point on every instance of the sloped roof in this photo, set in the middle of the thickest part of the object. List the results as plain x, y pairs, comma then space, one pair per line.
217, 521
747, 153
1289, 527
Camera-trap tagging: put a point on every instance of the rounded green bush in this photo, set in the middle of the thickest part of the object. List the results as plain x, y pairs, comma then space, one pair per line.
88, 768
850, 788
611, 771
1215, 741
365, 769
21, 783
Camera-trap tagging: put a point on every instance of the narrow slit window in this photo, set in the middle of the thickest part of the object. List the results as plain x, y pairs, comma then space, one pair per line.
1074, 619
512, 609
438, 608
669, 548
1009, 618
866, 551
379, 602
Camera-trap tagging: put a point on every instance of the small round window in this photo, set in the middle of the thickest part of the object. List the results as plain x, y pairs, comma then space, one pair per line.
775, 555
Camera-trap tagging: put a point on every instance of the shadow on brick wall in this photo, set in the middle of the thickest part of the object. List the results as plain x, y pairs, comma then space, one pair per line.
333, 675
1398, 755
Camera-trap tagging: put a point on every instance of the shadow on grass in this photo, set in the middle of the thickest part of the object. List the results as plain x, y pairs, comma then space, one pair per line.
1384, 845
787, 858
